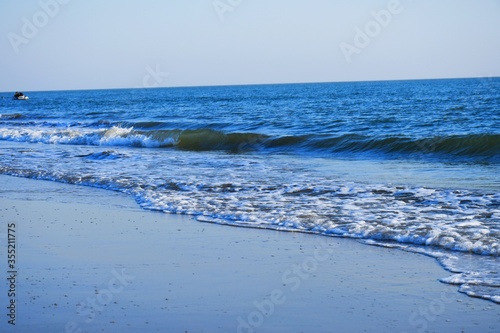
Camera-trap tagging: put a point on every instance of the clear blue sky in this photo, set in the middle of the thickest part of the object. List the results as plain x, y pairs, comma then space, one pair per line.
90, 44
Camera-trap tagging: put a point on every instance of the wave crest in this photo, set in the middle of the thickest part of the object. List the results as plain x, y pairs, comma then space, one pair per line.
480, 146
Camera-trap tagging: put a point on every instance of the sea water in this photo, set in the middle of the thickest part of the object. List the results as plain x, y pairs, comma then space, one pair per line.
409, 164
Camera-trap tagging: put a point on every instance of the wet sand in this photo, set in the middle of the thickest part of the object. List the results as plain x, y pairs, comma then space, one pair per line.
91, 260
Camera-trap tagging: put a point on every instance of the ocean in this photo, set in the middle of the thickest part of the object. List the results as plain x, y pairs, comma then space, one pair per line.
407, 164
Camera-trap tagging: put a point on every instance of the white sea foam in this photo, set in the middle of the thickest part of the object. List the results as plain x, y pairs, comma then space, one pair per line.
114, 136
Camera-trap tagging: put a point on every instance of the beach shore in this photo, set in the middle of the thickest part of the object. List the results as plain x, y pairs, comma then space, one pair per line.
91, 260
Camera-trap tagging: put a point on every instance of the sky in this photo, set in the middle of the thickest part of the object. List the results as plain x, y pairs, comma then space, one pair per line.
100, 44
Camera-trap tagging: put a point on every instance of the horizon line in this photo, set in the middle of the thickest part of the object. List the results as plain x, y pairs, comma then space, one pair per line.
259, 84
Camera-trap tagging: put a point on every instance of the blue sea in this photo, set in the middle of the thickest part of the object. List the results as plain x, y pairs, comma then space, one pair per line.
408, 164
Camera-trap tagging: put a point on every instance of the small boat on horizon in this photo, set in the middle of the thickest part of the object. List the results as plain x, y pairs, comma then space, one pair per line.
20, 96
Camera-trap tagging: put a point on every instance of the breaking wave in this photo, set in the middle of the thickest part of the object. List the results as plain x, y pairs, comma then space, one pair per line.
472, 146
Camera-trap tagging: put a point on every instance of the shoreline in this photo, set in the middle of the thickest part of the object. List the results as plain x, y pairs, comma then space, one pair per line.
92, 260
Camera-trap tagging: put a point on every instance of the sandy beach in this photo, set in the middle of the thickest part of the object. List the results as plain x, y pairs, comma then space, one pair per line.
91, 260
